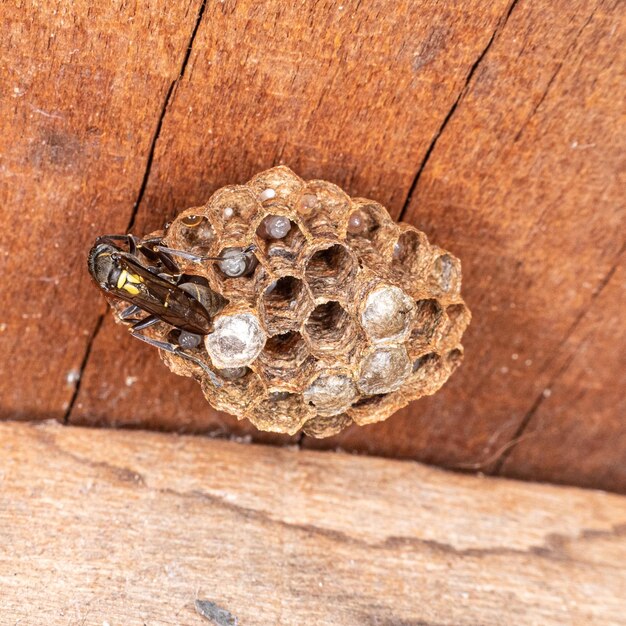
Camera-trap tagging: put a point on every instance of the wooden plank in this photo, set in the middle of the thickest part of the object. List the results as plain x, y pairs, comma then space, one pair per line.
578, 414
308, 85
131, 528
82, 92
509, 113
524, 184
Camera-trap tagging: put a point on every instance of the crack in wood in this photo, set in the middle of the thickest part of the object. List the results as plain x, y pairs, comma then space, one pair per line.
523, 425
501, 24
137, 203
83, 364
554, 76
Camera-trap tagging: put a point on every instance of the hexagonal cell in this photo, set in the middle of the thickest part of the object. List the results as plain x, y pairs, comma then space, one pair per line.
369, 221
280, 253
320, 427
458, 318
410, 257
383, 369
329, 268
282, 412
445, 276
235, 207
331, 393
323, 207
285, 358
455, 357
329, 328
428, 321
279, 185
372, 409
192, 231
429, 372
235, 341
238, 388
236, 286
387, 313
284, 304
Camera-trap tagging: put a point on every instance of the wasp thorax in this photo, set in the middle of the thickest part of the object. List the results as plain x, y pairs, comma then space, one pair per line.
323, 311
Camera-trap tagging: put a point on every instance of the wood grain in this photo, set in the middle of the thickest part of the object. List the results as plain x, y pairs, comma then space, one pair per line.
131, 528
494, 127
81, 96
577, 414
525, 184
254, 95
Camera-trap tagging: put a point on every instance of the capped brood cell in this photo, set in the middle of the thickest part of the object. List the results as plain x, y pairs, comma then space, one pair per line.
331, 392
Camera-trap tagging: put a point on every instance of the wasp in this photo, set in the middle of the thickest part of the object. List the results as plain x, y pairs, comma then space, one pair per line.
143, 273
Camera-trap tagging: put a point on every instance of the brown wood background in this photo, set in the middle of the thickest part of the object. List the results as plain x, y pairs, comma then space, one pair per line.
497, 128
142, 524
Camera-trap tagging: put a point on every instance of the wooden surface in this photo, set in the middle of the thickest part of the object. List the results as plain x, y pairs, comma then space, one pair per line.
130, 528
496, 128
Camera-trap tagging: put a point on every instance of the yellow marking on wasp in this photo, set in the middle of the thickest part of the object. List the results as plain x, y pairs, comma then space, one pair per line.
127, 281
131, 289
122, 279
134, 278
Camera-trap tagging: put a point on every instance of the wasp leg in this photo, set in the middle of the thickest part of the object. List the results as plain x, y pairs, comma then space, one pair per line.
146, 322
170, 347
128, 312
131, 241
155, 251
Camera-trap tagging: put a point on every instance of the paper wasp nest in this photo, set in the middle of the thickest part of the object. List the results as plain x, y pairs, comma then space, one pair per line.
342, 316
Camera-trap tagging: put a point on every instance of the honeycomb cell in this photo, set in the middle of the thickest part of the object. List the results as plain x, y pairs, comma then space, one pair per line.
235, 341
192, 231
428, 373
326, 426
286, 360
237, 275
454, 323
387, 313
445, 276
329, 269
280, 254
331, 393
238, 388
276, 186
410, 258
329, 328
281, 411
325, 312
368, 222
235, 208
372, 409
383, 369
427, 324
284, 304
323, 207
454, 357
